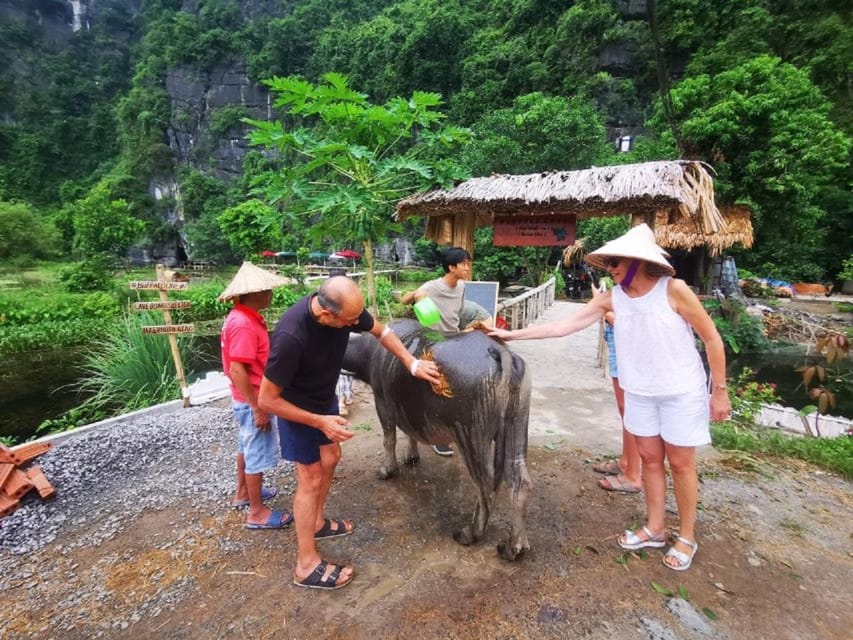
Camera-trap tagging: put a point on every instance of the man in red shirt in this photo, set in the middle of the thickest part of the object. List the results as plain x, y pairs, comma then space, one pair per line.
245, 348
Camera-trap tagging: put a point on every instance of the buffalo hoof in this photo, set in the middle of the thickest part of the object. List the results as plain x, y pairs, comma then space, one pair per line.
465, 536
385, 473
512, 551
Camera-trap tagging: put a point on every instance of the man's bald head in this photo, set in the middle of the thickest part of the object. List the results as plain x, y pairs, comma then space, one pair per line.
341, 295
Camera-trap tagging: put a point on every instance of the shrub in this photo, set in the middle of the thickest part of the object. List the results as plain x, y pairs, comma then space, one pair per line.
91, 274
34, 310
25, 234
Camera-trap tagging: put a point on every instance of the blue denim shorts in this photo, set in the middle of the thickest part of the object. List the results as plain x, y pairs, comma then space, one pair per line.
301, 443
259, 448
611, 351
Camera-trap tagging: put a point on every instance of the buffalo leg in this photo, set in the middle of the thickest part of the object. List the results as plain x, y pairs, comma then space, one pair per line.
482, 471
389, 441
518, 480
412, 454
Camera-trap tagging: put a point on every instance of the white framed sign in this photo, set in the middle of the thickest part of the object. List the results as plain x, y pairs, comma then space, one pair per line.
484, 293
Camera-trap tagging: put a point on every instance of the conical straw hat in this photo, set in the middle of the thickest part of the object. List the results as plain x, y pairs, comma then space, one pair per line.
250, 279
638, 242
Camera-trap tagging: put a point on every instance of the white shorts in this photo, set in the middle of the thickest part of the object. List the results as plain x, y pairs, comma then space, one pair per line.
682, 420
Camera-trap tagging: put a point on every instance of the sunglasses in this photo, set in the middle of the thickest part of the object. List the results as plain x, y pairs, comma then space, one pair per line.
611, 262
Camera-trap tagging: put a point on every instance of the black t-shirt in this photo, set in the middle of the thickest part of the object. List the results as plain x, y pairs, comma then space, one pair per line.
306, 357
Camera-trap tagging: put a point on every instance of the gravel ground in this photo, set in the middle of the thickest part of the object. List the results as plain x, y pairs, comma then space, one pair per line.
111, 475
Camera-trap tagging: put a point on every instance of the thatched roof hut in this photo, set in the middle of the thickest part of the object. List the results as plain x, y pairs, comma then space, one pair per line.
674, 187
681, 232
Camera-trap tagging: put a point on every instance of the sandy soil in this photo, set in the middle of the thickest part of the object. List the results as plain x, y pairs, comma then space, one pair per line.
774, 560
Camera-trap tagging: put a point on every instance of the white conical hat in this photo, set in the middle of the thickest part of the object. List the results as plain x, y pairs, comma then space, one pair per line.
638, 242
250, 279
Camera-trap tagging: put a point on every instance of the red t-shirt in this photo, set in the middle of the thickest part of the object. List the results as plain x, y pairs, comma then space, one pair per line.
244, 338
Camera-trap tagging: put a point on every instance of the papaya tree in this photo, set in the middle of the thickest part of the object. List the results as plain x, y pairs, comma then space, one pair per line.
345, 162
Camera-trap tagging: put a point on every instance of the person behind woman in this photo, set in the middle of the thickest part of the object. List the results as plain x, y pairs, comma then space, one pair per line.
666, 399
623, 474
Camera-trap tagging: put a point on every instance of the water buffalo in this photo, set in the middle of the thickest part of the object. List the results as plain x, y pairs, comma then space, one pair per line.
486, 416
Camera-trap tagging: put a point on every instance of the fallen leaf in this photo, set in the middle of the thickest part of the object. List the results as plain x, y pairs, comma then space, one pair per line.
710, 614
661, 589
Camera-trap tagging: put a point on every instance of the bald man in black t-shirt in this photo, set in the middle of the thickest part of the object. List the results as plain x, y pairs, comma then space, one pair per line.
306, 353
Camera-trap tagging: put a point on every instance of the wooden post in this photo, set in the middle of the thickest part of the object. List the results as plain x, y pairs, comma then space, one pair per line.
164, 284
173, 340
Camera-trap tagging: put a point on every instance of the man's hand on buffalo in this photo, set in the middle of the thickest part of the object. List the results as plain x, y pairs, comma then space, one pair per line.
427, 370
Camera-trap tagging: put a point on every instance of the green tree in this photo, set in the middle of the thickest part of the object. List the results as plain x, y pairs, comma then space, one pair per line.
250, 227
24, 232
764, 127
538, 133
103, 224
346, 161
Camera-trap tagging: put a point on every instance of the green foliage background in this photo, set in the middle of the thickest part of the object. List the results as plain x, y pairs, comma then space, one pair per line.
757, 88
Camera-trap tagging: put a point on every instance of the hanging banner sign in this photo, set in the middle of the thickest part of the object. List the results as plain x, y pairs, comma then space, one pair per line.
160, 284
534, 231
169, 328
168, 304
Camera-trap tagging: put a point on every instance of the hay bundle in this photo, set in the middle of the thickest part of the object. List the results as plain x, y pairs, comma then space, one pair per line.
574, 253
442, 388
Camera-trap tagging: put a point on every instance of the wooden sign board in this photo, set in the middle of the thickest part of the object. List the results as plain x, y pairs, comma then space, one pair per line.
162, 285
169, 328
156, 306
534, 231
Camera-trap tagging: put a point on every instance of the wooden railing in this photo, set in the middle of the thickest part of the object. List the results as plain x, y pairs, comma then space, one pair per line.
521, 310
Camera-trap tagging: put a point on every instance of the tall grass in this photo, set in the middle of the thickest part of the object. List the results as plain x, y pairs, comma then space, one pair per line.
124, 371
127, 370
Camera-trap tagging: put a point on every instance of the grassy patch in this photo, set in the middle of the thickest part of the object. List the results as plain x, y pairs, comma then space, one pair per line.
833, 454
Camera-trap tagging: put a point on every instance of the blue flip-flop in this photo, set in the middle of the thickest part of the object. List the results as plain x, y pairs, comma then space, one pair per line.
267, 493
277, 520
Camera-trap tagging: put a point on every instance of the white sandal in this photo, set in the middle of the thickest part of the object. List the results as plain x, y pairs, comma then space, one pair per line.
631, 541
684, 561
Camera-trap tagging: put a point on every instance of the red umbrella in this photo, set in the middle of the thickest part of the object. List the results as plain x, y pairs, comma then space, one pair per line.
349, 254
266, 253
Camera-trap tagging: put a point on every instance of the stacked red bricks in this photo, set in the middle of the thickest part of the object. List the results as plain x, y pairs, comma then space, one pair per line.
15, 481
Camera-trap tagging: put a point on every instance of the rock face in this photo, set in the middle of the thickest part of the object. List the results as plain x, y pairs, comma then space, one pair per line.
205, 131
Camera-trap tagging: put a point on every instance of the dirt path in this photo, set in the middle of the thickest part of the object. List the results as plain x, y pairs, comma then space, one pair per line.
774, 560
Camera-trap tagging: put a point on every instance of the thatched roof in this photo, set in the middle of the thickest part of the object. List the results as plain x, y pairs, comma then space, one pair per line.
685, 233
646, 188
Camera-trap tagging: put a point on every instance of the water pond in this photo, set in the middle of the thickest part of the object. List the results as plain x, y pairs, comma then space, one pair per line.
40, 385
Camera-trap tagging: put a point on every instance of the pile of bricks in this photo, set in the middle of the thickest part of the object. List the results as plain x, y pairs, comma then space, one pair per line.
15, 481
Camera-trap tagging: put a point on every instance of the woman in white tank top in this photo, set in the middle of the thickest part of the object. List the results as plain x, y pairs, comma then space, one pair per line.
667, 404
